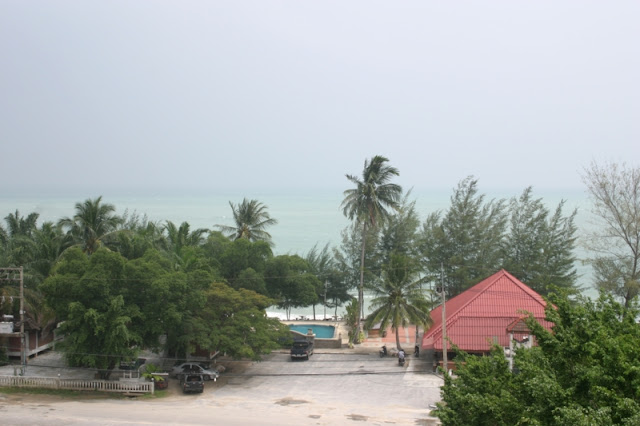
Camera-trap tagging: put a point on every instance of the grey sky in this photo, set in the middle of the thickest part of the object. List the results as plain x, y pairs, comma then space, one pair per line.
290, 94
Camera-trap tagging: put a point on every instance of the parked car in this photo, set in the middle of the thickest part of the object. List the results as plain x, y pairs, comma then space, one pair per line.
301, 349
193, 368
192, 383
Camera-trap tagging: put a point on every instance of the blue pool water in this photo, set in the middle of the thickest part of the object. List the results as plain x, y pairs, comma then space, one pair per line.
321, 331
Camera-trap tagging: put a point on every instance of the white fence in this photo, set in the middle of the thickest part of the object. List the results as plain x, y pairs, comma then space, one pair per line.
75, 384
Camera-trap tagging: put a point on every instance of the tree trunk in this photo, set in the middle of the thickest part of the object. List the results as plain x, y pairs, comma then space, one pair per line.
356, 338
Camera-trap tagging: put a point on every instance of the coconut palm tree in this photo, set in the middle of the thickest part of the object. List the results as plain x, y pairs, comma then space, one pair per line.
251, 218
17, 239
182, 243
49, 243
19, 225
399, 297
369, 203
92, 222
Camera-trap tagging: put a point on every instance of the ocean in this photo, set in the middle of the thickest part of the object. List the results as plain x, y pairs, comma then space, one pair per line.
305, 219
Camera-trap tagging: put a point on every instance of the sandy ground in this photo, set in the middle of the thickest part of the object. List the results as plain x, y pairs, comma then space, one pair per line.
332, 388
335, 387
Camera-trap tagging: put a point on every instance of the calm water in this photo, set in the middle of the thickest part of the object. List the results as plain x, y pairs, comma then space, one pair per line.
321, 331
304, 219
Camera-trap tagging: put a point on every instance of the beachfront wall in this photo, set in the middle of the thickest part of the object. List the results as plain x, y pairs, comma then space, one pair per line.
77, 385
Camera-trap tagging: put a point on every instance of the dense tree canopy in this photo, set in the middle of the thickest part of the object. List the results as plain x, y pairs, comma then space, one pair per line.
111, 306
538, 249
585, 371
235, 322
475, 238
466, 241
290, 281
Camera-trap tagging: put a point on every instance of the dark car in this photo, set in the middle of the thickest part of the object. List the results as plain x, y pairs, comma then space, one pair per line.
302, 349
192, 383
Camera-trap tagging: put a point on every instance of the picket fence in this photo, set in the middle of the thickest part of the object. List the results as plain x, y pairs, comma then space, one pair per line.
76, 384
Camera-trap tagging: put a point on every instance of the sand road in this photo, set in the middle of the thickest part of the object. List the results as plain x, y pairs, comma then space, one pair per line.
330, 389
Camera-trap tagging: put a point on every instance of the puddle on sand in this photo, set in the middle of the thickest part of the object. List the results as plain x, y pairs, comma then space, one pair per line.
291, 401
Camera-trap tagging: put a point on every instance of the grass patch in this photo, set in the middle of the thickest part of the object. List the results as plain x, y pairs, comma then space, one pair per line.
157, 394
71, 394
61, 393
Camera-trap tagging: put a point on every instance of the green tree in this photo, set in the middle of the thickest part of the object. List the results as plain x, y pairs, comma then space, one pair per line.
369, 203
93, 222
539, 247
86, 294
165, 299
251, 220
466, 241
249, 279
139, 234
399, 234
18, 237
322, 265
49, 243
238, 256
184, 246
347, 257
399, 297
614, 239
234, 322
290, 282
585, 371
180, 237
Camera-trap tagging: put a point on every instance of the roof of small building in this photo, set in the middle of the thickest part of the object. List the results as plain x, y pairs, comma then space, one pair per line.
479, 317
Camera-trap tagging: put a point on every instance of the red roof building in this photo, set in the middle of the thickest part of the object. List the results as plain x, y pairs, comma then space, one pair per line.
488, 313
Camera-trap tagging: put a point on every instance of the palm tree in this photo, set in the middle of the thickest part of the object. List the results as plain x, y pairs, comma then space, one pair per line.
399, 297
251, 219
21, 226
182, 244
49, 243
368, 204
92, 222
18, 238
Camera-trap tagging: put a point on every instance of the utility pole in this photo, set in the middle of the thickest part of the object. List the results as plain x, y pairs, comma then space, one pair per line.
23, 355
445, 361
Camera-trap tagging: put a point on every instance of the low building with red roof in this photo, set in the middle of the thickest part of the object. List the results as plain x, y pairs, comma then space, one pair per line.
491, 312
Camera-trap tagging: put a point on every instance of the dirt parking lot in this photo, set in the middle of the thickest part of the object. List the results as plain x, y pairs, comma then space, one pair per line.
330, 388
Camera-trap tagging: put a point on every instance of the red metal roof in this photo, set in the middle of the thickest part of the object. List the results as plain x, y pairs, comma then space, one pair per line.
479, 317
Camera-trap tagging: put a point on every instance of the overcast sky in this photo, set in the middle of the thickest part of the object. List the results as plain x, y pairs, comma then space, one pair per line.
294, 94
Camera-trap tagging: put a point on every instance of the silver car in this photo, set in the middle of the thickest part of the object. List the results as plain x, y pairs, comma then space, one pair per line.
194, 368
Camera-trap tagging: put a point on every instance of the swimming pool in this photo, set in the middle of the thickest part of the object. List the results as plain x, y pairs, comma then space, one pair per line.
321, 331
